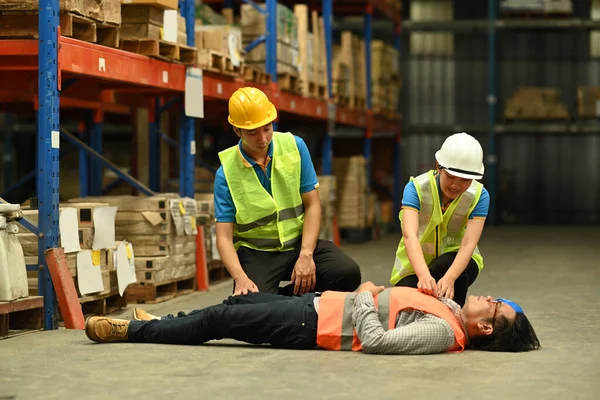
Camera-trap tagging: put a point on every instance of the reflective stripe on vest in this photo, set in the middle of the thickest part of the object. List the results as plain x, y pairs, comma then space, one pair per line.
284, 215
264, 221
429, 220
335, 330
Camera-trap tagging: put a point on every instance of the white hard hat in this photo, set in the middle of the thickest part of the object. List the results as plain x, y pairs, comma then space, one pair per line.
461, 155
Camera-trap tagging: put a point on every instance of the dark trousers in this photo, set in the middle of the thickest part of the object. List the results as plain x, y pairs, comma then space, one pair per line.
257, 318
439, 267
335, 270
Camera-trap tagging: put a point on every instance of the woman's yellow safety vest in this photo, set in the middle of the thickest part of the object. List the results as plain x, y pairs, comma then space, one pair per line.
265, 222
439, 232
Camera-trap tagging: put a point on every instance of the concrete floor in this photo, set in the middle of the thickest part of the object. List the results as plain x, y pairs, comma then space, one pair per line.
553, 272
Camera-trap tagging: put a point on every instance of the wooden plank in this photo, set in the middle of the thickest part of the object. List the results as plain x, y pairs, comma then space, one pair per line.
301, 13
188, 55
134, 13
140, 31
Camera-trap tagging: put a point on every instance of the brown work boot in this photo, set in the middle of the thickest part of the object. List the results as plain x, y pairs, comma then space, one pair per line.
104, 330
141, 315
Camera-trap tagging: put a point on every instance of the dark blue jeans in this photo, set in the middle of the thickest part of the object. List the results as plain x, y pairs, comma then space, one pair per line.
257, 318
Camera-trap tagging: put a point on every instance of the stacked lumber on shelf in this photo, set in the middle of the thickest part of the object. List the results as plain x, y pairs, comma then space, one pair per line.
154, 28
220, 48
385, 78
536, 7
353, 55
162, 231
88, 20
535, 103
351, 180
328, 197
311, 54
206, 221
254, 25
102, 302
588, 101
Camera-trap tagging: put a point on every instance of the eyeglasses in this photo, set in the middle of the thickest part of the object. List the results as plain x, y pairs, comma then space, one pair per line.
496, 304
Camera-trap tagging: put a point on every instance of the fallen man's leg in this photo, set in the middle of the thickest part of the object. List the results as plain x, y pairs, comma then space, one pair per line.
286, 323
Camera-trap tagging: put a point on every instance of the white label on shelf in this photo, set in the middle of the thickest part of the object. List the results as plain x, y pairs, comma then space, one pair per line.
319, 110
165, 76
55, 139
219, 88
193, 147
194, 95
101, 64
293, 104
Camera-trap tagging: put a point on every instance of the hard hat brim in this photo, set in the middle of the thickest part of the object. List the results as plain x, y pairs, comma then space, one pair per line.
463, 174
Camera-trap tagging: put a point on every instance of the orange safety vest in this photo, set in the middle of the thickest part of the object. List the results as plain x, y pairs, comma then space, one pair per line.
335, 330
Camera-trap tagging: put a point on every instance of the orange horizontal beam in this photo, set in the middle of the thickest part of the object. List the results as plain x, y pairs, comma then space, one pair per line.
105, 63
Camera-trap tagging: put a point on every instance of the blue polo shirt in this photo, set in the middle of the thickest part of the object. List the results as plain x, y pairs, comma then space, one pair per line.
225, 208
410, 199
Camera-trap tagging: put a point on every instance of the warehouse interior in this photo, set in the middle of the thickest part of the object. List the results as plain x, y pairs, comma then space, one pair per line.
110, 134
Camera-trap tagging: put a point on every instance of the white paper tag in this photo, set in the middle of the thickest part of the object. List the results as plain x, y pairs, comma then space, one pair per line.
193, 147
165, 76
55, 139
219, 88
293, 105
232, 43
194, 93
101, 64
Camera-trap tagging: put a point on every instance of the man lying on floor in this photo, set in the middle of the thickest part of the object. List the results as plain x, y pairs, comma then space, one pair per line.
397, 320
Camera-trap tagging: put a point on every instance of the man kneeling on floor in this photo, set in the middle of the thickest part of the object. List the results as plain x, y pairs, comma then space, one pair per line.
397, 320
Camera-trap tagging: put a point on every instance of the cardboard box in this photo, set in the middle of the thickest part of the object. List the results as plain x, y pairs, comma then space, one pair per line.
217, 37
164, 4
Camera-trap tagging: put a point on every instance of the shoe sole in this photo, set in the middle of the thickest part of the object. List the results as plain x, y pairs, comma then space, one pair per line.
89, 332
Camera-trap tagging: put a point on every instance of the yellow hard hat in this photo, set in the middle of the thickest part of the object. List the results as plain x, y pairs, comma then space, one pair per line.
250, 108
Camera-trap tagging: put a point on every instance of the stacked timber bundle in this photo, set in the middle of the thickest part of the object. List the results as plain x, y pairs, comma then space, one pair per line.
155, 28
162, 230
87, 20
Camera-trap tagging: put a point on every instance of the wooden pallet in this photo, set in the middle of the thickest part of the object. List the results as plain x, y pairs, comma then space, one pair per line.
217, 272
103, 305
253, 75
152, 48
212, 60
317, 91
341, 100
24, 24
358, 103
21, 316
152, 294
289, 82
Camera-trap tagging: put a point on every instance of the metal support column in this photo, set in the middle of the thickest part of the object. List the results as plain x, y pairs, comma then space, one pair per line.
272, 39
154, 144
331, 108
187, 131
96, 180
48, 143
397, 148
84, 164
491, 157
369, 131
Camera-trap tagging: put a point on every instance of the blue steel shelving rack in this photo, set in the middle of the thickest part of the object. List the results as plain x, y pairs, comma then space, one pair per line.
49, 132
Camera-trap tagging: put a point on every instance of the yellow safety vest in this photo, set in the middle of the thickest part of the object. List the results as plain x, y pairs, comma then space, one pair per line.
265, 222
439, 232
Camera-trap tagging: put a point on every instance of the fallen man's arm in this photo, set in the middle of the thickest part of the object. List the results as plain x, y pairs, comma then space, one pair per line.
415, 333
